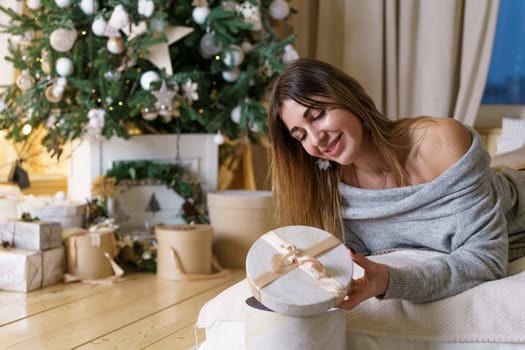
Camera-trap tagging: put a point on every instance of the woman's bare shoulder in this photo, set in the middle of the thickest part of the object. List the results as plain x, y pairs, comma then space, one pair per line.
440, 143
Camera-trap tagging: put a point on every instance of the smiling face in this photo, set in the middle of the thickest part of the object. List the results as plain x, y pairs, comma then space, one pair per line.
331, 134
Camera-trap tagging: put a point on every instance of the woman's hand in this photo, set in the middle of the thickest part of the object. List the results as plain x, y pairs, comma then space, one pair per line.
373, 283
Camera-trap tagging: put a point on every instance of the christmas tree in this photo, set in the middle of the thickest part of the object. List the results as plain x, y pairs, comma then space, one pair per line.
122, 67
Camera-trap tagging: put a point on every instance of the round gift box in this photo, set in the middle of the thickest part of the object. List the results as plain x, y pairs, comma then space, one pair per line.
86, 254
265, 329
297, 289
192, 245
238, 218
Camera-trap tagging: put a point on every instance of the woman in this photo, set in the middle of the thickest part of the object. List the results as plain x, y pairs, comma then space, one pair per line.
380, 184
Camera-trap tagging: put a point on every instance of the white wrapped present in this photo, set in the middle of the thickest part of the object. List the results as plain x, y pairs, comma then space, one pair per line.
34, 235
23, 270
299, 270
56, 209
9, 198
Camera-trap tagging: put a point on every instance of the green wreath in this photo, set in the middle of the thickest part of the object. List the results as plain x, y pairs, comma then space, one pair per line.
173, 175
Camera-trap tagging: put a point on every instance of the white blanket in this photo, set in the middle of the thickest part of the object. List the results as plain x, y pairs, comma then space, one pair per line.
493, 312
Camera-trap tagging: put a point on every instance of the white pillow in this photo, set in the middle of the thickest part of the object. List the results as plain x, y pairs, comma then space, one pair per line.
512, 134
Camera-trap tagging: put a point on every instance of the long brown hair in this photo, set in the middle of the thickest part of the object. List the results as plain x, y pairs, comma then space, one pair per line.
304, 194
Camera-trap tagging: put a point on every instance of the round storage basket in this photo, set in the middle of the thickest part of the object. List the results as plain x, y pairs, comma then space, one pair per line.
238, 218
188, 244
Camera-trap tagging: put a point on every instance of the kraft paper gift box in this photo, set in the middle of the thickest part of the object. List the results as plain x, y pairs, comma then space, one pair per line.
65, 212
33, 235
299, 270
86, 254
23, 270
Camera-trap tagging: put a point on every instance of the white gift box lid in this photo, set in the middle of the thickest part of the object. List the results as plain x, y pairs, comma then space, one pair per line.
284, 273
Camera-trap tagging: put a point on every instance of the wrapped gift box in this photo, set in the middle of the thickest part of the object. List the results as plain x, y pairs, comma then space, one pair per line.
23, 270
54, 209
33, 235
86, 253
299, 270
9, 197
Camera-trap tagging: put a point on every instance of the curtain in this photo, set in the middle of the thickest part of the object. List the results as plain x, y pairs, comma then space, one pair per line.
414, 57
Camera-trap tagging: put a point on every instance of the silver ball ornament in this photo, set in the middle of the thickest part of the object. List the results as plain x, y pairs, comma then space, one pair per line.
64, 66
231, 75
208, 46
33, 4
99, 26
200, 13
89, 7
234, 56
62, 39
279, 9
25, 81
148, 78
235, 114
148, 114
63, 3
115, 45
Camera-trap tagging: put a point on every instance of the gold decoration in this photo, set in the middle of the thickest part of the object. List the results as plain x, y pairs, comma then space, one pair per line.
104, 187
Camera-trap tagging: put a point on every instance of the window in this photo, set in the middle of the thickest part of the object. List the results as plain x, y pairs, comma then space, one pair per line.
504, 93
506, 78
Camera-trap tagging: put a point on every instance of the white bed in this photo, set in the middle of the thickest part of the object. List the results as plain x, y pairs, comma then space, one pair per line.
489, 316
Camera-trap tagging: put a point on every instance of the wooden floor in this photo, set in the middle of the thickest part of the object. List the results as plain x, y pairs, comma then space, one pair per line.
140, 312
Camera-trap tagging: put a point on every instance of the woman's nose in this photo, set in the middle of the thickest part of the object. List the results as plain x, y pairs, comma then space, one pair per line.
318, 137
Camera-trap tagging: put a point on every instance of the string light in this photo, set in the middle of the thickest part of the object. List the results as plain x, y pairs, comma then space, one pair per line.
26, 129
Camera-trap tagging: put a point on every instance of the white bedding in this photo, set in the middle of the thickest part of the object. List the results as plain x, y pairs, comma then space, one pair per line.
490, 316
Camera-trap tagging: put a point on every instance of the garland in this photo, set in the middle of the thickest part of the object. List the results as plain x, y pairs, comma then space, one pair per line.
174, 176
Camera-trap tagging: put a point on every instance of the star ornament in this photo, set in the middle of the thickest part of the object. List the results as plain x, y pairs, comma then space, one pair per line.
159, 54
164, 99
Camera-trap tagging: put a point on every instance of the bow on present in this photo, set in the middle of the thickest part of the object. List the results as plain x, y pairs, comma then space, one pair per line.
290, 258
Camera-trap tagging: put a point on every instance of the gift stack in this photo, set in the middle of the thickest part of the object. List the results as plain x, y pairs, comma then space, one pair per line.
298, 275
31, 256
55, 208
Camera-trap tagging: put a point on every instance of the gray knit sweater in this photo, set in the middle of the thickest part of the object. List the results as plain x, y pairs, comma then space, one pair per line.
470, 212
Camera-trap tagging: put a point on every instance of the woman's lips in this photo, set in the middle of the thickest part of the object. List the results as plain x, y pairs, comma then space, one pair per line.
333, 147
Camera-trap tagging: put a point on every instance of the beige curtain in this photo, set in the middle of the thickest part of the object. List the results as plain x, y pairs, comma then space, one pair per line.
414, 57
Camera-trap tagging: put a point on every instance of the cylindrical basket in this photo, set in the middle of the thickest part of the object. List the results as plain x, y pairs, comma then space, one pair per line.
238, 218
187, 245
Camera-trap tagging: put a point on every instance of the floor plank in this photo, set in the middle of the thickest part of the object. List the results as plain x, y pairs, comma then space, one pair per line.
91, 314
154, 328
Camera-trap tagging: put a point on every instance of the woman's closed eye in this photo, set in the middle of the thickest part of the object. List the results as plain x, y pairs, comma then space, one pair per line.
319, 115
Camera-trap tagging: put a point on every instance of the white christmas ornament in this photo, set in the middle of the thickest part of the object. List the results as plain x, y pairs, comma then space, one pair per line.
234, 56
231, 75
208, 46
246, 46
25, 81
99, 26
251, 15
235, 114
33, 4
115, 45
62, 39
63, 3
89, 7
148, 114
200, 14
119, 19
290, 54
218, 138
96, 118
147, 78
146, 8
135, 30
279, 9
64, 66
